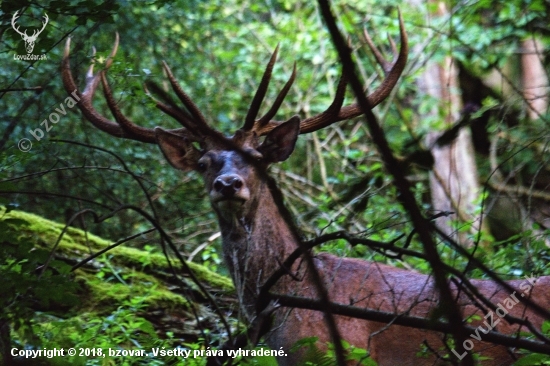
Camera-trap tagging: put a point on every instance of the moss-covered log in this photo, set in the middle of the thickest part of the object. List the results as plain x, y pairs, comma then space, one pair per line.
125, 298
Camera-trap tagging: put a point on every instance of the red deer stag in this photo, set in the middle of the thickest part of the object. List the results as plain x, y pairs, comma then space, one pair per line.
258, 235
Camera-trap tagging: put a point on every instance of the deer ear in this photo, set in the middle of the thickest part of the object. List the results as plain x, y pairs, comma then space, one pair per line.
178, 149
279, 142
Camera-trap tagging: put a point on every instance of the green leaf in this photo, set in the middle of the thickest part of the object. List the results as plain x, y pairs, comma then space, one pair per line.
304, 342
533, 359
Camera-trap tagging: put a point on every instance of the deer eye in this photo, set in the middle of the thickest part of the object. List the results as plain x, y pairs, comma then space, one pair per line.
256, 156
202, 164
201, 167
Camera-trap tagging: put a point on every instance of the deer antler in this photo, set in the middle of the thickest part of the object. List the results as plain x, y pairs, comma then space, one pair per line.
335, 112
194, 124
35, 33
13, 21
44, 23
250, 124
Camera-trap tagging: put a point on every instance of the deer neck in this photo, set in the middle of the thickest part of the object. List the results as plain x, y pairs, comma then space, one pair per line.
255, 243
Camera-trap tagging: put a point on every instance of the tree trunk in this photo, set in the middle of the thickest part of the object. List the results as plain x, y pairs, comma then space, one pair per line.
453, 181
534, 78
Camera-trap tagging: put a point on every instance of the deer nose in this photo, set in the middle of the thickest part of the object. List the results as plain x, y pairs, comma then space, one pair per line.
228, 184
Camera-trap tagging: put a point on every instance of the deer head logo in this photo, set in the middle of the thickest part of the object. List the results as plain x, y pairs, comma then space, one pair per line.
29, 40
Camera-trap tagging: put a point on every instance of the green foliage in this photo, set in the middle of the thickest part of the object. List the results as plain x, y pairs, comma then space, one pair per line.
26, 284
120, 330
533, 359
536, 358
313, 355
210, 258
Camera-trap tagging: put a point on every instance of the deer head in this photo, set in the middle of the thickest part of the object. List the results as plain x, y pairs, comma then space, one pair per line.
230, 165
29, 40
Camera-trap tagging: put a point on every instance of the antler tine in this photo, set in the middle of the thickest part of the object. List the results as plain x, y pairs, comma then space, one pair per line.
394, 73
278, 101
131, 130
171, 109
260, 93
392, 45
199, 122
44, 23
126, 129
13, 20
386, 66
319, 121
112, 55
335, 112
331, 114
85, 102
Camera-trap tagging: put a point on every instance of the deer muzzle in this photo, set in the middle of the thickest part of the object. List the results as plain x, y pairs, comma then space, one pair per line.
229, 187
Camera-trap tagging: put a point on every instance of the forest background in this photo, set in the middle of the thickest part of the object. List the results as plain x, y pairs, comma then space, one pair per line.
468, 122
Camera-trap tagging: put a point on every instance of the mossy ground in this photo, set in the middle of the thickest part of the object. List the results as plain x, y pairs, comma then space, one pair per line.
124, 285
